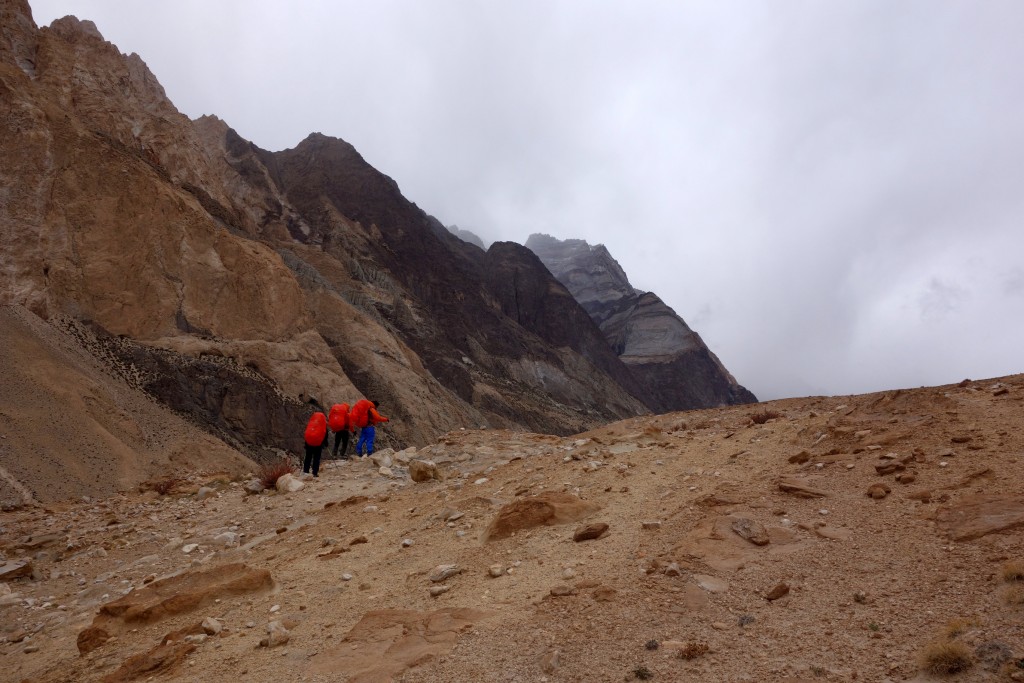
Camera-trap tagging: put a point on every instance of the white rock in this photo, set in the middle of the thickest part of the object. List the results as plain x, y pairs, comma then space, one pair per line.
386, 472
444, 571
438, 590
189, 548
481, 480
406, 542
254, 486
495, 571
211, 626
205, 492
228, 539
277, 634
287, 483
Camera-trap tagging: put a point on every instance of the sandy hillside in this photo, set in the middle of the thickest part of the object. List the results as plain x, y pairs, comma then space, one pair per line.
68, 428
734, 551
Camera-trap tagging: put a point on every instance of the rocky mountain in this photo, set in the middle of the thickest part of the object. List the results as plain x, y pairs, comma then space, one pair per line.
670, 361
235, 284
466, 236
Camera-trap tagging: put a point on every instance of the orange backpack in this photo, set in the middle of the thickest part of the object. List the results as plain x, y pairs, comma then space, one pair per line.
316, 429
338, 417
360, 415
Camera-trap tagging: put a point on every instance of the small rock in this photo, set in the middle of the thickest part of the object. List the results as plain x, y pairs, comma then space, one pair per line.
495, 571
860, 597
438, 590
651, 525
751, 530
568, 573
549, 662
407, 542
444, 571
779, 591
29, 649
227, 539
288, 483
589, 532
673, 569
205, 492
189, 548
924, 495
884, 468
562, 590
385, 472
277, 634
906, 477
196, 638
423, 470
800, 458
719, 626
358, 540
275, 608
346, 577
254, 486
211, 626
481, 480
878, 491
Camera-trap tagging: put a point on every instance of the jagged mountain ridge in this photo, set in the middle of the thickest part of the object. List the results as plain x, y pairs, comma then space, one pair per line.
673, 364
306, 266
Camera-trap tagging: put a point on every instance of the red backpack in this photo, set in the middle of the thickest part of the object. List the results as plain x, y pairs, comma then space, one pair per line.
360, 415
316, 429
338, 417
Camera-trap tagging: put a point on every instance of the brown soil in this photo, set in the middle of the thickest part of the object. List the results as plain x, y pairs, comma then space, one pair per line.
871, 582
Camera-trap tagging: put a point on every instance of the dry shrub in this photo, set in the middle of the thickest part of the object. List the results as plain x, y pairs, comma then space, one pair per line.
271, 472
956, 627
945, 657
161, 486
1013, 571
765, 415
1015, 596
693, 650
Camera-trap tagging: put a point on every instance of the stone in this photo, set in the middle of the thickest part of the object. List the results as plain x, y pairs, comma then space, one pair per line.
751, 530
211, 626
438, 590
604, 594
549, 662
14, 569
589, 532
407, 542
889, 467
800, 488
444, 571
288, 483
253, 486
833, 533
906, 478
277, 634
205, 492
979, 515
781, 589
672, 569
878, 491
495, 570
545, 509
562, 590
652, 525
799, 458
227, 539
359, 540
923, 495
423, 471
711, 584
189, 548
386, 472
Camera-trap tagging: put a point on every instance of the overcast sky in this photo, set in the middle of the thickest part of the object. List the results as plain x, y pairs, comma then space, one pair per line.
830, 192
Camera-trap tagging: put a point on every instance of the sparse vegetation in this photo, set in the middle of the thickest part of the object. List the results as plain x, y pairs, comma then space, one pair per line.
765, 415
946, 657
162, 486
746, 619
956, 627
1013, 571
271, 472
1015, 596
642, 673
693, 650
873, 626
651, 644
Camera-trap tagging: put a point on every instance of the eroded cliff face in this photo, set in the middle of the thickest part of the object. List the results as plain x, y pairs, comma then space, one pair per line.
672, 364
306, 266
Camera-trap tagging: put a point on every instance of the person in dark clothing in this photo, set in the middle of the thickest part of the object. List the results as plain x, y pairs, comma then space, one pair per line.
341, 437
316, 437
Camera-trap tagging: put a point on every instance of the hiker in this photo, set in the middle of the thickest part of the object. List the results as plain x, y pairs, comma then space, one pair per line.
338, 421
367, 433
316, 437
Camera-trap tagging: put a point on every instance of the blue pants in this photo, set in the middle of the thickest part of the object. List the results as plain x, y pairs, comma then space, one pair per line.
366, 435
